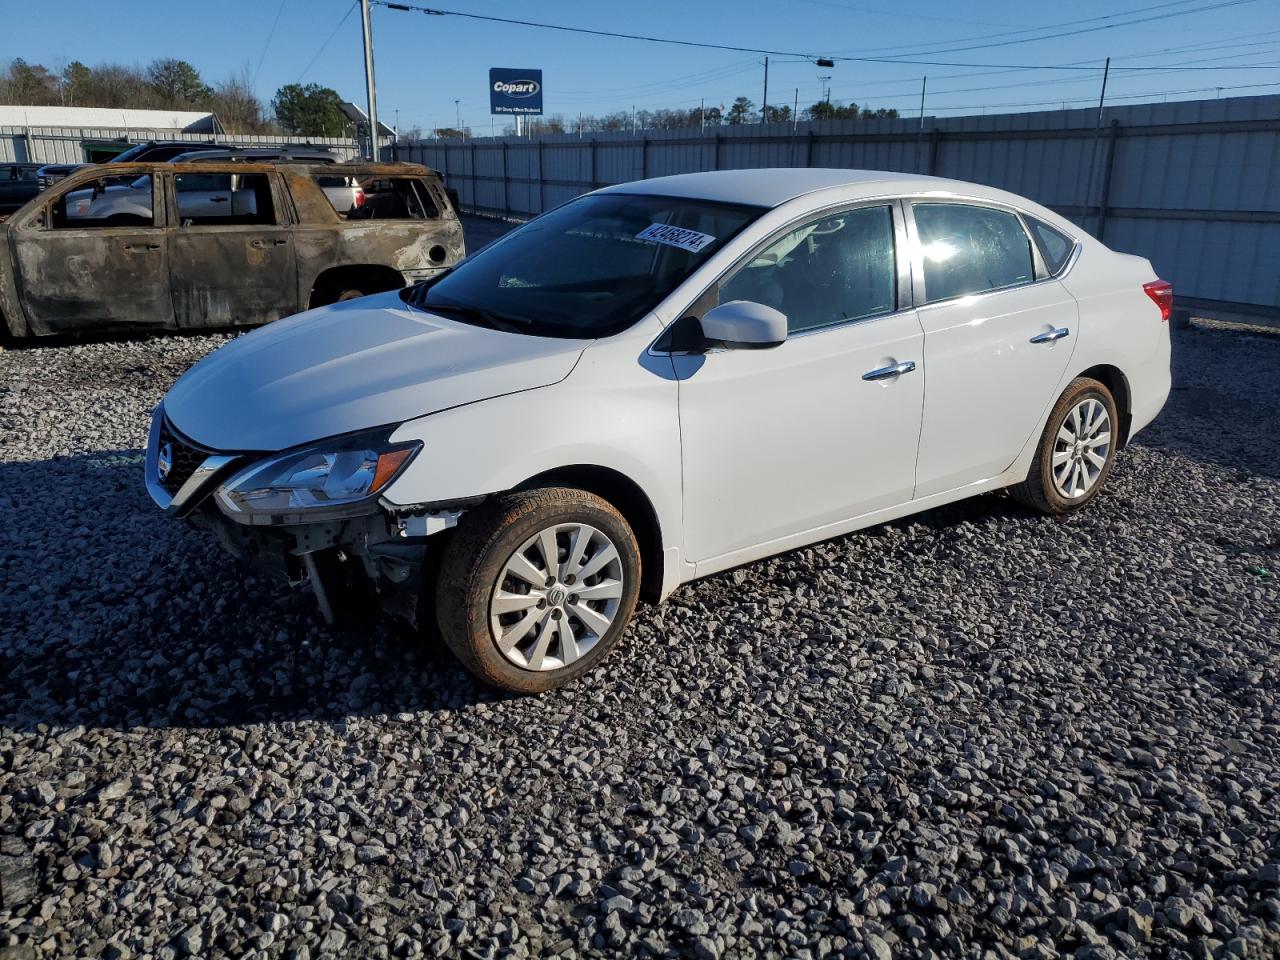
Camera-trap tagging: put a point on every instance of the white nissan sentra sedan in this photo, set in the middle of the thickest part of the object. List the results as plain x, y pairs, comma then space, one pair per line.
658, 381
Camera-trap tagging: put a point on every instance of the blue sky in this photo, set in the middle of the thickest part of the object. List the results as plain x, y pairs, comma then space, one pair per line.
426, 62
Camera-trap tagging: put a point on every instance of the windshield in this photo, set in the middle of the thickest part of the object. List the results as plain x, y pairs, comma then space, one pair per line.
130, 153
590, 268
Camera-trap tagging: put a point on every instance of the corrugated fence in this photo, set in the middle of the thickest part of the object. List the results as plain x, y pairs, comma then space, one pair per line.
67, 144
1194, 185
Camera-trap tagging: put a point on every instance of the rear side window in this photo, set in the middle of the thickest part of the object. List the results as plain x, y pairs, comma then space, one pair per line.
394, 198
224, 199
969, 249
1055, 246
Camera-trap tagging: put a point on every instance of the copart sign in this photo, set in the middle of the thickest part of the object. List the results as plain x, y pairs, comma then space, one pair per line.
515, 91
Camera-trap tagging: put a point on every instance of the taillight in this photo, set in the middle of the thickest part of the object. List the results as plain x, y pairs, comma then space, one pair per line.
1161, 294
359, 197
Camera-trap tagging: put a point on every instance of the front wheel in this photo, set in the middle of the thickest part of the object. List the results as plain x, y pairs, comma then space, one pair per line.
536, 587
1076, 451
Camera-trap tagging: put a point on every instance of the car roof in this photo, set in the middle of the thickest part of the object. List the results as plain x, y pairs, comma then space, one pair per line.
773, 186
357, 168
263, 151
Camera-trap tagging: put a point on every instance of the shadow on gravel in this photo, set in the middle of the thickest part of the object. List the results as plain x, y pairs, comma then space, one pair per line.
112, 615
1211, 416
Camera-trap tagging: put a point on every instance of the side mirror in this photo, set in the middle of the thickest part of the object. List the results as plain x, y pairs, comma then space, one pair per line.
744, 325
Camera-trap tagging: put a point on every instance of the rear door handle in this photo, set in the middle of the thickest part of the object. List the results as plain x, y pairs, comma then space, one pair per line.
218, 199
135, 247
1051, 336
892, 370
262, 244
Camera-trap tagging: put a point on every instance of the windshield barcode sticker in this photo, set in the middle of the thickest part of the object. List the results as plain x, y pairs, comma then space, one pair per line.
690, 240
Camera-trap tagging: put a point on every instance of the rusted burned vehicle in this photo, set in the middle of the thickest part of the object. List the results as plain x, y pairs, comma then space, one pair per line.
188, 246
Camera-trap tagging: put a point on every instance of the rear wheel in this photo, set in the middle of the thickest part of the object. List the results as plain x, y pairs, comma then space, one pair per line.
536, 587
1076, 451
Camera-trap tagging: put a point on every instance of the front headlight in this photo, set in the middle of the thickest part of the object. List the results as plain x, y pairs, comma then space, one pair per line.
331, 476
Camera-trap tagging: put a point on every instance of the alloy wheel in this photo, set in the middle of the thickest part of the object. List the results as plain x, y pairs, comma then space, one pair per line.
1081, 448
556, 596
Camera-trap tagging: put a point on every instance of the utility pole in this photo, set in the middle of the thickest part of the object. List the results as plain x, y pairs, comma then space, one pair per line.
702, 116
1097, 140
764, 107
795, 112
924, 83
457, 109
1106, 70
371, 87
826, 87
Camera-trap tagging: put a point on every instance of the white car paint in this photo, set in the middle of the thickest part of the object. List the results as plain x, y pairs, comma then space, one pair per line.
741, 453
359, 364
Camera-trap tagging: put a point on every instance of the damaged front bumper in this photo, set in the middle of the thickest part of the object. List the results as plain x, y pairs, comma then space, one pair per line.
376, 544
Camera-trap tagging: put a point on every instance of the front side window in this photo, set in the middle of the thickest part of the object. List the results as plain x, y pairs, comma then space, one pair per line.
835, 269
969, 249
590, 268
123, 201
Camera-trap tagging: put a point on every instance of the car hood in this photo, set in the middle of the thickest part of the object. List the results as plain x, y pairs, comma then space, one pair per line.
352, 366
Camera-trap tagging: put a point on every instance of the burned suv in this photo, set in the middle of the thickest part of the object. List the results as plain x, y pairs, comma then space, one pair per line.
188, 246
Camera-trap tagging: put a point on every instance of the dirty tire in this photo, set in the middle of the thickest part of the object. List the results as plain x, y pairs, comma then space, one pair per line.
485, 540
1038, 491
349, 294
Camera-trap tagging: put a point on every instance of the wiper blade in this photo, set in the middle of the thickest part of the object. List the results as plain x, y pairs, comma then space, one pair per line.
487, 318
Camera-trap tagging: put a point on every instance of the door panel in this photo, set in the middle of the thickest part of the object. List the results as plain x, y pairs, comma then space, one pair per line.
233, 264
988, 384
777, 442
232, 275
75, 279
780, 441
989, 381
81, 267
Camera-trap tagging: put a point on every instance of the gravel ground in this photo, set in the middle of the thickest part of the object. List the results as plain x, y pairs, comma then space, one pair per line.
977, 732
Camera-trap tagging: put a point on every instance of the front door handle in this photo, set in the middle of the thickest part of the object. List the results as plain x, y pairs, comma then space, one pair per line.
219, 199
135, 247
1051, 336
262, 244
892, 370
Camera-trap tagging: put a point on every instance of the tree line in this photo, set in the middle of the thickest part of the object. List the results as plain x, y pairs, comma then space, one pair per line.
171, 84
313, 110
742, 110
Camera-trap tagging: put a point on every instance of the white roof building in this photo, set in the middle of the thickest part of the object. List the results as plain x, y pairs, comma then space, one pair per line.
190, 121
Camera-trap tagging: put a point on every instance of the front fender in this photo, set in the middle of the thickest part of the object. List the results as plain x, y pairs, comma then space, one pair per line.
617, 410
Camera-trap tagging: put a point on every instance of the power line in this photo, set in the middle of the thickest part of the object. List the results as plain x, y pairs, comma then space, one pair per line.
924, 49
437, 12
328, 40
1095, 29
909, 16
909, 94
1131, 96
267, 46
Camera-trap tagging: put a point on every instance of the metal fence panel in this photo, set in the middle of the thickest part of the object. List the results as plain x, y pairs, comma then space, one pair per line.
1194, 186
